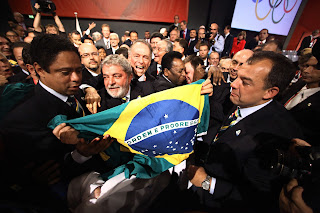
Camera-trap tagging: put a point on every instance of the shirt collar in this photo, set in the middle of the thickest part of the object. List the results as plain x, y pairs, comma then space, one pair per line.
142, 78
25, 71
92, 73
244, 112
53, 92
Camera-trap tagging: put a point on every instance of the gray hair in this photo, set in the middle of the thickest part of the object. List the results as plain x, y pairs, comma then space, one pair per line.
169, 46
114, 34
118, 60
141, 41
96, 36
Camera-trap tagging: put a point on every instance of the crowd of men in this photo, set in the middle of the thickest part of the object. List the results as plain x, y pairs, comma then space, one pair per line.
259, 101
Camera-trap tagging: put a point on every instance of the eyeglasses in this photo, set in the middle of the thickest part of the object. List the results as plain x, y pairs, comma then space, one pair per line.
86, 55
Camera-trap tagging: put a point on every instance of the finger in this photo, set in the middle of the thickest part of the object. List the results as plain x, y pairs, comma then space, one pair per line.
56, 130
97, 192
99, 104
94, 107
300, 142
293, 183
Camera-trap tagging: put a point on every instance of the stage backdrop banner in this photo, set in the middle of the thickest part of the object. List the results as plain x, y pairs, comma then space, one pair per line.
276, 15
133, 10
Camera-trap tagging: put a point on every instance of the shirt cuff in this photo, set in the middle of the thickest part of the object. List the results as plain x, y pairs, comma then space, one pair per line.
87, 31
84, 86
77, 157
212, 185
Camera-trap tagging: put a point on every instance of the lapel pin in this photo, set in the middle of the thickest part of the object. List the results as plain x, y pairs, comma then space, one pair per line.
309, 104
238, 132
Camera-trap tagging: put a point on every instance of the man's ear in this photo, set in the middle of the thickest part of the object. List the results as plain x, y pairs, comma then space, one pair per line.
271, 93
38, 69
130, 77
166, 72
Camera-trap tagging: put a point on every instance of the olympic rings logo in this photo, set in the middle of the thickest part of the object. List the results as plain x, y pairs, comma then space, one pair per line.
273, 5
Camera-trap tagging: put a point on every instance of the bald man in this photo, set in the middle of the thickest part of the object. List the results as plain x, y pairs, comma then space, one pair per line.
90, 60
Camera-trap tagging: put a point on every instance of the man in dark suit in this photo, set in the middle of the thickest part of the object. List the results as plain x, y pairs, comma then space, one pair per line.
184, 32
262, 38
192, 42
36, 161
302, 99
309, 41
114, 44
228, 41
90, 60
133, 37
232, 177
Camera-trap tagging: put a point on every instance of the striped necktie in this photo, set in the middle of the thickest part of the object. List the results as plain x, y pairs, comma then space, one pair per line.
229, 123
74, 103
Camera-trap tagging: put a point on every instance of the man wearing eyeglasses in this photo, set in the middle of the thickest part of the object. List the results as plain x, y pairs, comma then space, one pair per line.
90, 60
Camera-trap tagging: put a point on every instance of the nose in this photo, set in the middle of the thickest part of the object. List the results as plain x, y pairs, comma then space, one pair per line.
111, 81
76, 76
235, 83
140, 59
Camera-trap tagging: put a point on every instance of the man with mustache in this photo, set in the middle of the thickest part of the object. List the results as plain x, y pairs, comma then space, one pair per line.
90, 60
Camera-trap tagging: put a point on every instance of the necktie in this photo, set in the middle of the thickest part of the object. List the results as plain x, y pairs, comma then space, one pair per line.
229, 123
74, 103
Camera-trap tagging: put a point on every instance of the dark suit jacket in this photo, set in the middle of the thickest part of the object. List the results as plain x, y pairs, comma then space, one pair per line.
187, 35
306, 113
305, 43
86, 75
152, 70
28, 141
251, 44
128, 42
138, 89
242, 185
19, 77
191, 47
161, 84
109, 51
227, 45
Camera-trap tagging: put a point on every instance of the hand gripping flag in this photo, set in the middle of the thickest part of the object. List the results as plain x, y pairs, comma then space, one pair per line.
160, 128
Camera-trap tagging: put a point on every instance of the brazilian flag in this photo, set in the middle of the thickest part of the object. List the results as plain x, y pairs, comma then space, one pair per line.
160, 129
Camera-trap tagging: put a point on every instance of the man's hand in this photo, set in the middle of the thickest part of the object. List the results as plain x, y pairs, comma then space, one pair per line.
216, 75
93, 99
196, 175
290, 200
3, 80
95, 146
92, 25
66, 134
97, 192
37, 6
207, 88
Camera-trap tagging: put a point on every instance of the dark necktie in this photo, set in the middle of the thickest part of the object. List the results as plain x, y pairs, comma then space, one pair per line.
229, 123
74, 103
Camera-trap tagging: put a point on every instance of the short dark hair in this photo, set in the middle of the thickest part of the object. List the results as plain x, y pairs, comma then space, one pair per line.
19, 44
275, 42
88, 38
45, 48
304, 58
281, 73
183, 43
26, 57
204, 44
5, 37
133, 31
194, 60
75, 32
156, 35
100, 47
167, 59
228, 27
184, 22
122, 51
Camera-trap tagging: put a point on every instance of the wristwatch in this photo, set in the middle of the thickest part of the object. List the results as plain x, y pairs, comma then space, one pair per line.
206, 183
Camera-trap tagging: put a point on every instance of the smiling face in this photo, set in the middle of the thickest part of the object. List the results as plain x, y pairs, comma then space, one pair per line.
17, 52
116, 80
64, 75
139, 58
248, 89
159, 51
177, 73
189, 72
5, 67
